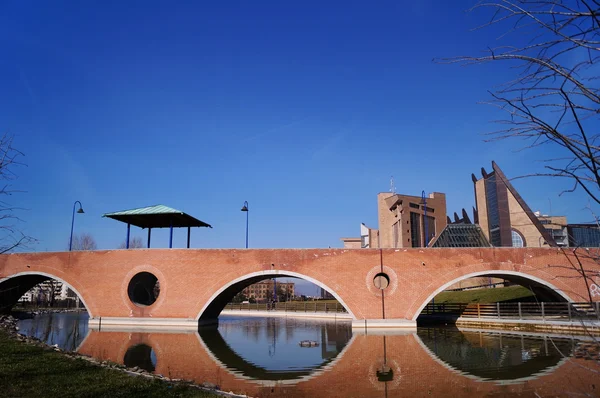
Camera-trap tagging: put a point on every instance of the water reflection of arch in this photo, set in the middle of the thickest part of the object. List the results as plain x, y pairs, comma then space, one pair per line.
450, 356
225, 357
217, 302
12, 288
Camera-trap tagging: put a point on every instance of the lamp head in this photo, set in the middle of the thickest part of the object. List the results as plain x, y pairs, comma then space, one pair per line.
80, 211
245, 207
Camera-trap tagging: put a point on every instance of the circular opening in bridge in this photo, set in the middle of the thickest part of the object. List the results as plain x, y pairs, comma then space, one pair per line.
142, 356
143, 289
381, 281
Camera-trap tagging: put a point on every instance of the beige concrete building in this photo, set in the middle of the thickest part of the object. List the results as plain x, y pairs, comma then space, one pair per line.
263, 291
404, 221
501, 218
555, 226
505, 219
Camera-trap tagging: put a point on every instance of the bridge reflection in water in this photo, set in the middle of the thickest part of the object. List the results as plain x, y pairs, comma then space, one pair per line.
431, 362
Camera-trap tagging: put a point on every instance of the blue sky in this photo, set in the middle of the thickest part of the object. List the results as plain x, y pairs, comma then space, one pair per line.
304, 109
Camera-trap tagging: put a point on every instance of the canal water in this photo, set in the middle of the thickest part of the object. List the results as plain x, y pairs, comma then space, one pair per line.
277, 357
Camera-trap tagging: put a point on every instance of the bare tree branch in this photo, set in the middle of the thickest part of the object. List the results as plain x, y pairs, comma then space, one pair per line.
11, 237
554, 98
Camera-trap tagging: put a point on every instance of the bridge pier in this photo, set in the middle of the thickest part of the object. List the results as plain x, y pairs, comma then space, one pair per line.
383, 324
138, 323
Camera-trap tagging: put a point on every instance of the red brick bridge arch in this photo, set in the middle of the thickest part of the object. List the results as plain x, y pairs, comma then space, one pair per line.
13, 287
217, 302
194, 284
543, 289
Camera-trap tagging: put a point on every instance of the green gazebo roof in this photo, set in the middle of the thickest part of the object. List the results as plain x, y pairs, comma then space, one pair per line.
158, 216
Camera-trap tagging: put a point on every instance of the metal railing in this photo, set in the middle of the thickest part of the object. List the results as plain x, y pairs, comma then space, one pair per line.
289, 306
521, 311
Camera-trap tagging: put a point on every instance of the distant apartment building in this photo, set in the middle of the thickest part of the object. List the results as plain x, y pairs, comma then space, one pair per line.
324, 294
263, 291
43, 292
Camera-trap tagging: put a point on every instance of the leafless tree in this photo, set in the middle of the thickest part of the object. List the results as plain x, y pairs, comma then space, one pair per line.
11, 237
134, 243
84, 241
553, 46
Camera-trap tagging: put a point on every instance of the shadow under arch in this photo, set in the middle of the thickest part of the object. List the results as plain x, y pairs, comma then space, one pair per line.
223, 355
543, 289
451, 355
217, 302
12, 288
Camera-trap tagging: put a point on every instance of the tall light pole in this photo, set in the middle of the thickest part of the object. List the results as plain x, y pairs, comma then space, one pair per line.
73, 222
245, 208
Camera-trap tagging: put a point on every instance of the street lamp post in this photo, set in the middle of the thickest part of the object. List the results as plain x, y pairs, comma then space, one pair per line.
80, 211
245, 208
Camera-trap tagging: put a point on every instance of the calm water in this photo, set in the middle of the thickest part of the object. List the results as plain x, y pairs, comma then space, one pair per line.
263, 357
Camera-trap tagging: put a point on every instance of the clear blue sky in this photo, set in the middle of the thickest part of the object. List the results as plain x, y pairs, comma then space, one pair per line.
304, 109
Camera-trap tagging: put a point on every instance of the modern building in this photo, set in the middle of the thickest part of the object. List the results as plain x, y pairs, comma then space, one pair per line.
583, 235
505, 219
404, 221
263, 291
556, 226
501, 218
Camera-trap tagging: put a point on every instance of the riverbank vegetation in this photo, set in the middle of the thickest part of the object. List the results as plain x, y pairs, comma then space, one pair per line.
501, 294
28, 370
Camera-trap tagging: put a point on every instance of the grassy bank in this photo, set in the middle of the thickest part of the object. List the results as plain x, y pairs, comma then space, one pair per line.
511, 293
32, 371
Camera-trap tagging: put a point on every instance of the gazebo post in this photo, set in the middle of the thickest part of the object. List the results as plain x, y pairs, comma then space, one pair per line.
188, 242
127, 241
171, 235
149, 229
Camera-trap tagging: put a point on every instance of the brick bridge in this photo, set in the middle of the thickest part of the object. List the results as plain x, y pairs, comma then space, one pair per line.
195, 285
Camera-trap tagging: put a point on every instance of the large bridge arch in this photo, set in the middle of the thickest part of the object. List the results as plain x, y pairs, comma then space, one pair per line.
217, 302
27, 280
520, 278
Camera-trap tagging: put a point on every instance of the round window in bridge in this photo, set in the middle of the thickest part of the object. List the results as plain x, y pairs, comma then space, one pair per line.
143, 289
381, 281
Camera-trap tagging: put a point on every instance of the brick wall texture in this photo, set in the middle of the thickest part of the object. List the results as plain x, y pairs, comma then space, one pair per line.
190, 279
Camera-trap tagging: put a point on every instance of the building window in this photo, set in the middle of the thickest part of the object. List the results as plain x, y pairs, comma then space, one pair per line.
414, 205
493, 211
415, 229
584, 236
517, 239
430, 223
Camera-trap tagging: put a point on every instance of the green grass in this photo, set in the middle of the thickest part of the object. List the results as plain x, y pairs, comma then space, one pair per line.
511, 293
30, 371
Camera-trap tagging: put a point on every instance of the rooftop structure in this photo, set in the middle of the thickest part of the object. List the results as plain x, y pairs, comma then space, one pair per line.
158, 216
461, 235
